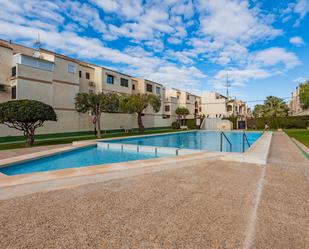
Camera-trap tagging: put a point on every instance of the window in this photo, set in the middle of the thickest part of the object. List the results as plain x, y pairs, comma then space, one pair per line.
188, 97
167, 108
80, 74
149, 88
133, 87
158, 90
124, 82
110, 79
13, 93
91, 91
87, 76
71, 68
14, 71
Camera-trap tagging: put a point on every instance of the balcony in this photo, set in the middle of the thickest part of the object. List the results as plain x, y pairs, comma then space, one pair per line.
33, 62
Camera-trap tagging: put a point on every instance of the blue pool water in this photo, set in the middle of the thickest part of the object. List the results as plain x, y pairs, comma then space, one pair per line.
77, 158
200, 140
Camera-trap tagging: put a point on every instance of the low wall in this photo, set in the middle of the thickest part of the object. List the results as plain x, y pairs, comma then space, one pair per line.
71, 121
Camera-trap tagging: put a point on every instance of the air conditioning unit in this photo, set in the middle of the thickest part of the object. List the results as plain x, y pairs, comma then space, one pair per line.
91, 83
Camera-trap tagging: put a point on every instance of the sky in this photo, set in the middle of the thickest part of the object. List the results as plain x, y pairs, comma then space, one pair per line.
262, 45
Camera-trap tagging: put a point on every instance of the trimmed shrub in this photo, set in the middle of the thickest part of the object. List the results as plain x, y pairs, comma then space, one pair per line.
191, 123
175, 125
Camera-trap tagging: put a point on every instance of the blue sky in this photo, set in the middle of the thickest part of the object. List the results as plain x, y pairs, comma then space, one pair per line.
191, 45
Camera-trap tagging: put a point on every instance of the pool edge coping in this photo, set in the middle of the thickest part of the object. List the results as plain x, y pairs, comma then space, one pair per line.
254, 156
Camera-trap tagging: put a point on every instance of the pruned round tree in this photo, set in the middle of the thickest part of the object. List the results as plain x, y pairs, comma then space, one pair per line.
181, 113
138, 103
26, 115
95, 104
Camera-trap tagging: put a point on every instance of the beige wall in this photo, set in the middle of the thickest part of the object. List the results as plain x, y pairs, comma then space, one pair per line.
84, 84
61, 71
213, 105
116, 87
6, 56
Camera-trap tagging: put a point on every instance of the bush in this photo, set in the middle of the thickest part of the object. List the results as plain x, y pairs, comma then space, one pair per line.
278, 122
26, 115
175, 125
191, 123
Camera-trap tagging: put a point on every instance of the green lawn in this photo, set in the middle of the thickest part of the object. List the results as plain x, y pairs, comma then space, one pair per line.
302, 135
64, 138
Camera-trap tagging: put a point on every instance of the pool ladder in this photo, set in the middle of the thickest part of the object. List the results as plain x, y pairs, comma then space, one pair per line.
244, 140
222, 135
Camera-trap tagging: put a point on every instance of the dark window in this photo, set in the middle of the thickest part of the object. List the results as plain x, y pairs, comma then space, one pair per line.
110, 79
124, 82
13, 93
87, 76
188, 97
167, 108
149, 88
133, 87
13, 71
80, 74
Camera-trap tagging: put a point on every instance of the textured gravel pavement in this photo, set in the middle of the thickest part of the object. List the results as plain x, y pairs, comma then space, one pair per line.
211, 205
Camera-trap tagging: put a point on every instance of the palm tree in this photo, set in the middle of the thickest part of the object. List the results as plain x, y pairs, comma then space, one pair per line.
275, 107
258, 111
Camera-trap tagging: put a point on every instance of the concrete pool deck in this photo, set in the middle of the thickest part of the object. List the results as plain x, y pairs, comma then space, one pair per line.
16, 185
206, 204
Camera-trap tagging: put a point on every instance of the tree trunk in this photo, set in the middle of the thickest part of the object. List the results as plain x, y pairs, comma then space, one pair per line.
99, 126
30, 138
140, 123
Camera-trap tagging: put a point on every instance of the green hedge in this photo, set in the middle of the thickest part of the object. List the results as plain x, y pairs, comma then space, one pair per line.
278, 122
191, 123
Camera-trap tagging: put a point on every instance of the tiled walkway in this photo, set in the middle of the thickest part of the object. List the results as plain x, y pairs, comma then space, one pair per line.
215, 204
283, 213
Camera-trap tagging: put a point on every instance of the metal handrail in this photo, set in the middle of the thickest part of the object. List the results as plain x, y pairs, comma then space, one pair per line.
221, 141
244, 138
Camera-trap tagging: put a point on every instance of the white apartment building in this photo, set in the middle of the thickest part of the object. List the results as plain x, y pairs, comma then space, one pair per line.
55, 79
296, 108
215, 105
178, 98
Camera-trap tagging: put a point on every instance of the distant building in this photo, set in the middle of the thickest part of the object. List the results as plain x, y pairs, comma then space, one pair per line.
295, 106
215, 105
177, 98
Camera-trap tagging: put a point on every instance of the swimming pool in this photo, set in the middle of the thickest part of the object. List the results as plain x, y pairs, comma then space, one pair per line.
197, 140
136, 148
87, 156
